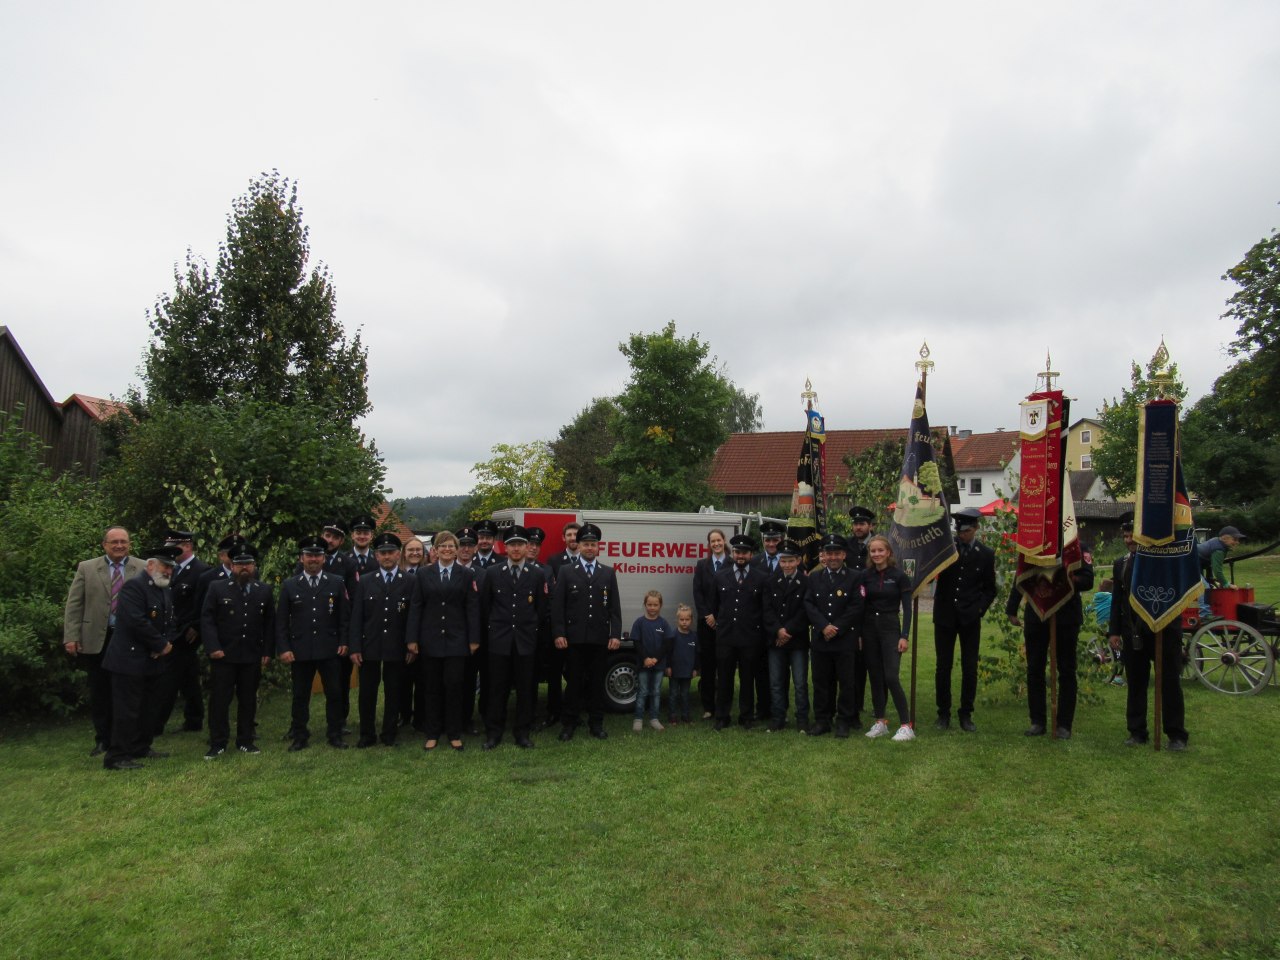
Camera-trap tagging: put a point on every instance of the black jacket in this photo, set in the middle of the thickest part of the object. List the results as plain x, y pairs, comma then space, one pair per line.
242, 627
312, 622
380, 615
444, 618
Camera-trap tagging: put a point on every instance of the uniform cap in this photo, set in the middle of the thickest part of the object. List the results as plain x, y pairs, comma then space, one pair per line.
386, 541
789, 548
861, 513
466, 536
243, 553
337, 526
772, 529
517, 534
967, 519
487, 526
312, 544
536, 534
364, 522
178, 536
588, 531
740, 541
833, 541
165, 553
228, 543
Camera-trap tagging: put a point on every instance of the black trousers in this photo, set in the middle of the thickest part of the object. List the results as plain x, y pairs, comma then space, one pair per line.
833, 686
859, 676
945, 636
387, 674
99, 681
475, 684
303, 673
707, 667
507, 671
133, 712
586, 663
1137, 675
743, 660
180, 674
345, 667
445, 696
551, 664
238, 681
1037, 661
880, 635
412, 701
764, 691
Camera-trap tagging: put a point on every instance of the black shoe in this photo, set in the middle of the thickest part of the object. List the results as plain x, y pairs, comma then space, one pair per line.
746, 724
819, 729
98, 750
1035, 730
248, 748
346, 731
802, 726
524, 743
1062, 733
967, 725
338, 743
566, 734
1136, 741
944, 723
1177, 746
489, 744
842, 731
364, 743
297, 745
599, 733
215, 752
192, 726
152, 754
390, 742
125, 764
720, 725
776, 725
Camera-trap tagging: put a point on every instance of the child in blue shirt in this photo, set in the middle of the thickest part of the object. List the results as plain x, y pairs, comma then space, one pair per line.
650, 634
682, 665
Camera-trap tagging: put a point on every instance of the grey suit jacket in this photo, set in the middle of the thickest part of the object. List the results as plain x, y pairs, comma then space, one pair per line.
84, 620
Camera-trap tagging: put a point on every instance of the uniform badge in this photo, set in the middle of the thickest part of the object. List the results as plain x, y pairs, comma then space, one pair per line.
153, 614
331, 604
839, 593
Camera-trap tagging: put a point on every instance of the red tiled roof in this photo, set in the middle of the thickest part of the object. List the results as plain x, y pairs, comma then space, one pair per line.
95, 407
984, 451
387, 520
765, 463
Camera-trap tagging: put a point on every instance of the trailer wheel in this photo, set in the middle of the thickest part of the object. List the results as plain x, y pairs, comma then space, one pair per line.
620, 683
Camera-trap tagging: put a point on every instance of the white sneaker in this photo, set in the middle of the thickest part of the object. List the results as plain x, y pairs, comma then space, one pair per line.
904, 733
656, 724
637, 725
878, 729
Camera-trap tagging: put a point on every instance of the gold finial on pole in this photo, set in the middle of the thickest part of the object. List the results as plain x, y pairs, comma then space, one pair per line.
809, 395
1161, 377
1049, 375
924, 364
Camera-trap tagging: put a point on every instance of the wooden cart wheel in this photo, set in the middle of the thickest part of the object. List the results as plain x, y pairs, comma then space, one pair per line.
1231, 657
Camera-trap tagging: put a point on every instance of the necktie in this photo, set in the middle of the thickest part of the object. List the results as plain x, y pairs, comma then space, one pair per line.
591, 570
739, 574
117, 581
311, 581
515, 572
773, 564
716, 565
386, 577
444, 574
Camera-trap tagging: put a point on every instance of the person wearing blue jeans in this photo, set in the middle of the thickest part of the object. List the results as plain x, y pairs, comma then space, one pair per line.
651, 635
786, 629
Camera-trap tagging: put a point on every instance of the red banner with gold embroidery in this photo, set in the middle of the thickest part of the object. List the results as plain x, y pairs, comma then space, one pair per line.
1039, 537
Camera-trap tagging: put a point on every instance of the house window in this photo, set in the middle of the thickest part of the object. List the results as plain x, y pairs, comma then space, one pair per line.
976, 485
1086, 436
960, 483
1086, 461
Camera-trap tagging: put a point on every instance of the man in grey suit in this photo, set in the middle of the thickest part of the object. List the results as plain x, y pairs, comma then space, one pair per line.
89, 620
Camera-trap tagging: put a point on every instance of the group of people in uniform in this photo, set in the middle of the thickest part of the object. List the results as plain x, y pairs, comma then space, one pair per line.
444, 636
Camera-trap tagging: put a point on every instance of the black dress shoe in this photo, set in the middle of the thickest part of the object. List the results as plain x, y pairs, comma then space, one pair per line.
1062, 733
968, 726
721, 724
944, 723
124, 765
1136, 741
192, 727
154, 755
297, 745
599, 733
338, 744
248, 748
566, 734
1035, 730
524, 743
775, 726
364, 743
489, 744
819, 729
98, 750
842, 731
1177, 746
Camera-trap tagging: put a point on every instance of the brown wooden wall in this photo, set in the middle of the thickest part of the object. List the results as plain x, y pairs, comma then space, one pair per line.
17, 386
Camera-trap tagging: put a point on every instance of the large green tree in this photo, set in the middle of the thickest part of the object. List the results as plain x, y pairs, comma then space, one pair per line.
1116, 459
672, 417
580, 450
1256, 306
260, 325
517, 475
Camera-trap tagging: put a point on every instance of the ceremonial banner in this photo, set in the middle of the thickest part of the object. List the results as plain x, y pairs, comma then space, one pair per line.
1048, 588
921, 527
1039, 492
808, 520
1166, 571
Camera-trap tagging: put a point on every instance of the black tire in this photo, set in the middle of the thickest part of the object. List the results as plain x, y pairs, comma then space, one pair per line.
620, 683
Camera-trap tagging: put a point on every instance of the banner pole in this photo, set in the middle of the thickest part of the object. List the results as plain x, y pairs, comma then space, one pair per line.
1053, 675
915, 633
1159, 655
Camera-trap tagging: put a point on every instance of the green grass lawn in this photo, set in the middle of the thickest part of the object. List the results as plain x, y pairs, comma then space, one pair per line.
686, 843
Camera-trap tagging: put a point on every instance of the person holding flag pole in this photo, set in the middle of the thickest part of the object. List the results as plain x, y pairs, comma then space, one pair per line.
920, 532
1164, 575
1052, 570
807, 521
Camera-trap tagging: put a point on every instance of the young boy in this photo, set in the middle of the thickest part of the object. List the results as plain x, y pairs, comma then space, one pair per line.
650, 634
682, 665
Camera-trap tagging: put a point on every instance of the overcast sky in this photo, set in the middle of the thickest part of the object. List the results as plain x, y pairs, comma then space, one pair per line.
504, 191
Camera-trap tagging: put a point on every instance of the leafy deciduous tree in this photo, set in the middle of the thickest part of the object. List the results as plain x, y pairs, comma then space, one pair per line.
518, 475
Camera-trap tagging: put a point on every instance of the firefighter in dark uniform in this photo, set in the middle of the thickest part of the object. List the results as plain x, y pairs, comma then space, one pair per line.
513, 602
964, 592
586, 620
705, 572
359, 561
786, 629
737, 609
312, 620
546, 644
834, 606
771, 534
379, 615
226, 546
1137, 651
551, 661
856, 559
180, 672
486, 533
144, 631
475, 673
237, 627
